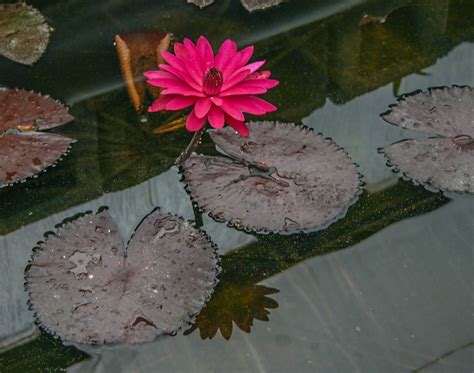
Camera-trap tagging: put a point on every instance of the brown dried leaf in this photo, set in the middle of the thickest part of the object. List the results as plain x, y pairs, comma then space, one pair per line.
139, 52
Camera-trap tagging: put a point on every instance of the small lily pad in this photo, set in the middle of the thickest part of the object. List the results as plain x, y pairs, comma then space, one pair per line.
24, 151
139, 52
24, 33
282, 178
85, 287
445, 162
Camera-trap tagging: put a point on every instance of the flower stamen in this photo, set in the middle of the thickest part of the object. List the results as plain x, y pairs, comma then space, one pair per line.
212, 81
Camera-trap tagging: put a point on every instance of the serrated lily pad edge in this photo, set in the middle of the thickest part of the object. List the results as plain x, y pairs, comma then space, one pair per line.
86, 347
250, 230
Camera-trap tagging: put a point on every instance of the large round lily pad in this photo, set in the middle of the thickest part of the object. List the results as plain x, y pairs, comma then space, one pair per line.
24, 33
445, 162
282, 178
85, 287
24, 151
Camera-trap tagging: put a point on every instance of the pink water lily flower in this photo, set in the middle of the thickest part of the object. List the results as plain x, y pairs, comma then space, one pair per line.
220, 88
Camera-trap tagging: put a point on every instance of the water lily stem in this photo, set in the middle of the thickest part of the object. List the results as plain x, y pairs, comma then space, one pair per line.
190, 148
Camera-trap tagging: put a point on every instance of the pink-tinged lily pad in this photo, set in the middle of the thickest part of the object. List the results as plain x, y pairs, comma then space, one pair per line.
445, 162
85, 287
24, 151
282, 178
24, 33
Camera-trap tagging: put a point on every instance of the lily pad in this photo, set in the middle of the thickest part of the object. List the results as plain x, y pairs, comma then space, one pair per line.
445, 162
24, 151
24, 33
85, 287
282, 178
139, 52
250, 5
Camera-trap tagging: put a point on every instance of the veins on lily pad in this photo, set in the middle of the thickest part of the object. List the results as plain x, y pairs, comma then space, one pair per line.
86, 287
24, 33
25, 149
282, 178
445, 162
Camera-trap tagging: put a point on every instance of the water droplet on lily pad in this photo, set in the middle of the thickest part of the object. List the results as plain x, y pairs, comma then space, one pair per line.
282, 178
445, 162
154, 287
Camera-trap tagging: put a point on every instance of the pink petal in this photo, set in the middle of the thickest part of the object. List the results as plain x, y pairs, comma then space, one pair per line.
260, 75
240, 59
179, 103
216, 117
180, 51
160, 104
216, 100
167, 83
193, 123
194, 60
252, 105
232, 110
202, 107
173, 61
237, 78
182, 75
239, 126
254, 66
205, 49
265, 83
227, 50
182, 91
158, 75
245, 90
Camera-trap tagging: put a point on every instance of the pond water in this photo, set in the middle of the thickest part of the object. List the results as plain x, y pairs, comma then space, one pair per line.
388, 288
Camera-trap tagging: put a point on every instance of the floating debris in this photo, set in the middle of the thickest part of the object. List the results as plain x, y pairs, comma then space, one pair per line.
139, 52
282, 178
24, 33
85, 287
445, 162
24, 151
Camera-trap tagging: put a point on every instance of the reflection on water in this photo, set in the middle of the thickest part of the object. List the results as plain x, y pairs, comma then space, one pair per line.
383, 305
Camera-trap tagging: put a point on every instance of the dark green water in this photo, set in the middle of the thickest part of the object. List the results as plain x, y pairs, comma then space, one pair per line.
386, 289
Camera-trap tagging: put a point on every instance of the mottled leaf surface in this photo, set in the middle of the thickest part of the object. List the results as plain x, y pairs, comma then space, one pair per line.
27, 111
445, 162
24, 33
24, 151
447, 112
252, 5
439, 162
26, 154
282, 178
84, 287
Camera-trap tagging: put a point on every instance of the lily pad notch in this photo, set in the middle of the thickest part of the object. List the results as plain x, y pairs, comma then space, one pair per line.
446, 161
86, 287
283, 178
25, 149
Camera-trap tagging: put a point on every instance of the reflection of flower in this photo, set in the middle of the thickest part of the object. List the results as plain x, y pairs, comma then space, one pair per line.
240, 304
221, 88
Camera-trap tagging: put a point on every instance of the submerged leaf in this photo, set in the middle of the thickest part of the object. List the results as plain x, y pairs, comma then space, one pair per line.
25, 152
24, 33
445, 162
85, 287
139, 52
239, 304
282, 178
